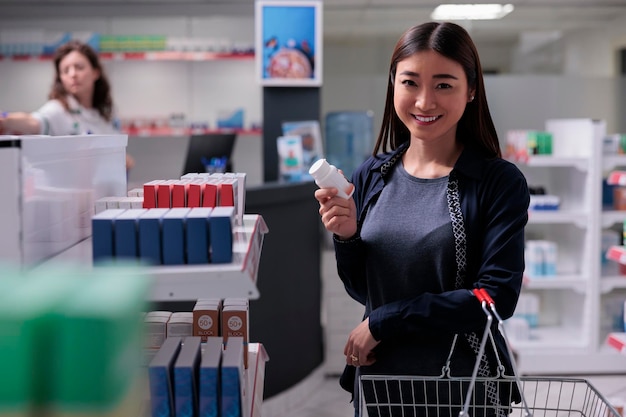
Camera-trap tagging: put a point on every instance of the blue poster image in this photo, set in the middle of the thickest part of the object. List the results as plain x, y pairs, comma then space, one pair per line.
288, 42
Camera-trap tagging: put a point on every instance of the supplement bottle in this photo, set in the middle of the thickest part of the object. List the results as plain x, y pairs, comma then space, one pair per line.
328, 176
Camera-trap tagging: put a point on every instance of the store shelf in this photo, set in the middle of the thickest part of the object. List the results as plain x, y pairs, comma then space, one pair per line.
611, 283
182, 131
612, 217
174, 56
572, 282
571, 308
148, 56
614, 161
552, 337
557, 217
237, 279
580, 163
190, 282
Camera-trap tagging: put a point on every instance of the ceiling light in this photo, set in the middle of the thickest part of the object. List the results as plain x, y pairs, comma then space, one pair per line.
471, 11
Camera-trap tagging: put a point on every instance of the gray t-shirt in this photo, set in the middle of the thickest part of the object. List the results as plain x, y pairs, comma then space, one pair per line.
410, 250
409, 239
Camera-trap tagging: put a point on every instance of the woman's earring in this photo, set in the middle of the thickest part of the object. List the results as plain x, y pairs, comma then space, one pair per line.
471, 98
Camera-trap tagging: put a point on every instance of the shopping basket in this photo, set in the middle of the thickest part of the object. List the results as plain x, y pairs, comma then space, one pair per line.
474, 396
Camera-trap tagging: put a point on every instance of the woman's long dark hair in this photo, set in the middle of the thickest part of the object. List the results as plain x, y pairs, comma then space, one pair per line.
102, 100
475, 127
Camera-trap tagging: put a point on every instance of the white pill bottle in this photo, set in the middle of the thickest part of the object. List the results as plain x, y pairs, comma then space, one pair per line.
328, 176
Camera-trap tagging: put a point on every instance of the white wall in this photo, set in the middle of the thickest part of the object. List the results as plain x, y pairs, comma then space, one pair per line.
589, 53
355, 76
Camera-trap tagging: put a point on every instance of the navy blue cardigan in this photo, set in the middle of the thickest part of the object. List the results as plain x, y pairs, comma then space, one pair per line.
494, 201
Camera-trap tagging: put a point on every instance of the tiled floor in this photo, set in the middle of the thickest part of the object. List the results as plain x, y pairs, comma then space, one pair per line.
327, 399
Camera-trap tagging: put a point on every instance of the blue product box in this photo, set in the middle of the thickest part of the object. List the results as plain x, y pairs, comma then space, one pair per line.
126, 234
160, 378
232, 374
150, 236
209, 389
186, 370
173, 236
221, 225
232, 120
103, 234
54, 41
197, 226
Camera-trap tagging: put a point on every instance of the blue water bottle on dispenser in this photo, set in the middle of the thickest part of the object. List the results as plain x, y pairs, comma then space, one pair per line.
349, 137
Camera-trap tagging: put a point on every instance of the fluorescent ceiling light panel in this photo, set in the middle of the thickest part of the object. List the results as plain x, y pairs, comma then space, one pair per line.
471, 11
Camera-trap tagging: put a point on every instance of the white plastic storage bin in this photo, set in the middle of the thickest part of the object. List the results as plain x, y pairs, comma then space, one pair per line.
49, 185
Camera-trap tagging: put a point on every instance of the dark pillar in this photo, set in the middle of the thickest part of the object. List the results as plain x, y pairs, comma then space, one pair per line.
286, 317
281, 104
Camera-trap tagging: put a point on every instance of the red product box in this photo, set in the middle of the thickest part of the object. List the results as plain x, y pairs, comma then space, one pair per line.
179, 193
227, 192
194, 194
164, 194
150, 194
209, 194
616, 178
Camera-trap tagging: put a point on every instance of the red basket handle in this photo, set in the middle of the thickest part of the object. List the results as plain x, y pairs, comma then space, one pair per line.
483, 295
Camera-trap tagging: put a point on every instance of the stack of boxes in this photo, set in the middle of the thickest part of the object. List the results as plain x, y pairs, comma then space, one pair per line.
171, 222
522, 144
540, 258
196, 360
189, 378
211, 317
164, 236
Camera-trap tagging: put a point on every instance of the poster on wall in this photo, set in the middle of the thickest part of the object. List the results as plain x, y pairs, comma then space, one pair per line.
289, 42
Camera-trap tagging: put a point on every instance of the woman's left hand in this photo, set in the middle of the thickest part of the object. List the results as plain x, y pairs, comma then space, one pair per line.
358, 349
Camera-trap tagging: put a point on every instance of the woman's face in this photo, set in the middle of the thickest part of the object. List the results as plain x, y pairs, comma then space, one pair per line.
430, 95
77, 75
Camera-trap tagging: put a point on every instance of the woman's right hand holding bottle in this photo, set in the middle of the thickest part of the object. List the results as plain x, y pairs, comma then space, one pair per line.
338, 214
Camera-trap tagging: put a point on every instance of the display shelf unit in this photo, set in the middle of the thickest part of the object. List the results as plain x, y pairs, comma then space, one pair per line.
64, 176
563, 281
185, 131
148, 56
237, 279
190, 282
571, 333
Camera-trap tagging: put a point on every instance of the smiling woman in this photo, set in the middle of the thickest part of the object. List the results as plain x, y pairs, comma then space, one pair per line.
428, 222
79, 102
431, 93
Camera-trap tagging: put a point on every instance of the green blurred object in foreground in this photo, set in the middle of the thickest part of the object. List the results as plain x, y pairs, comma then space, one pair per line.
70, 339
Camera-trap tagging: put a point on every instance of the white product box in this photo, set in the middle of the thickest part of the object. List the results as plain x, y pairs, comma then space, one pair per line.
575, 137
60, 178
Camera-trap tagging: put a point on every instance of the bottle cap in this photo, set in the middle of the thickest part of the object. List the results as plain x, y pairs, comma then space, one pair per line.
319, 168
